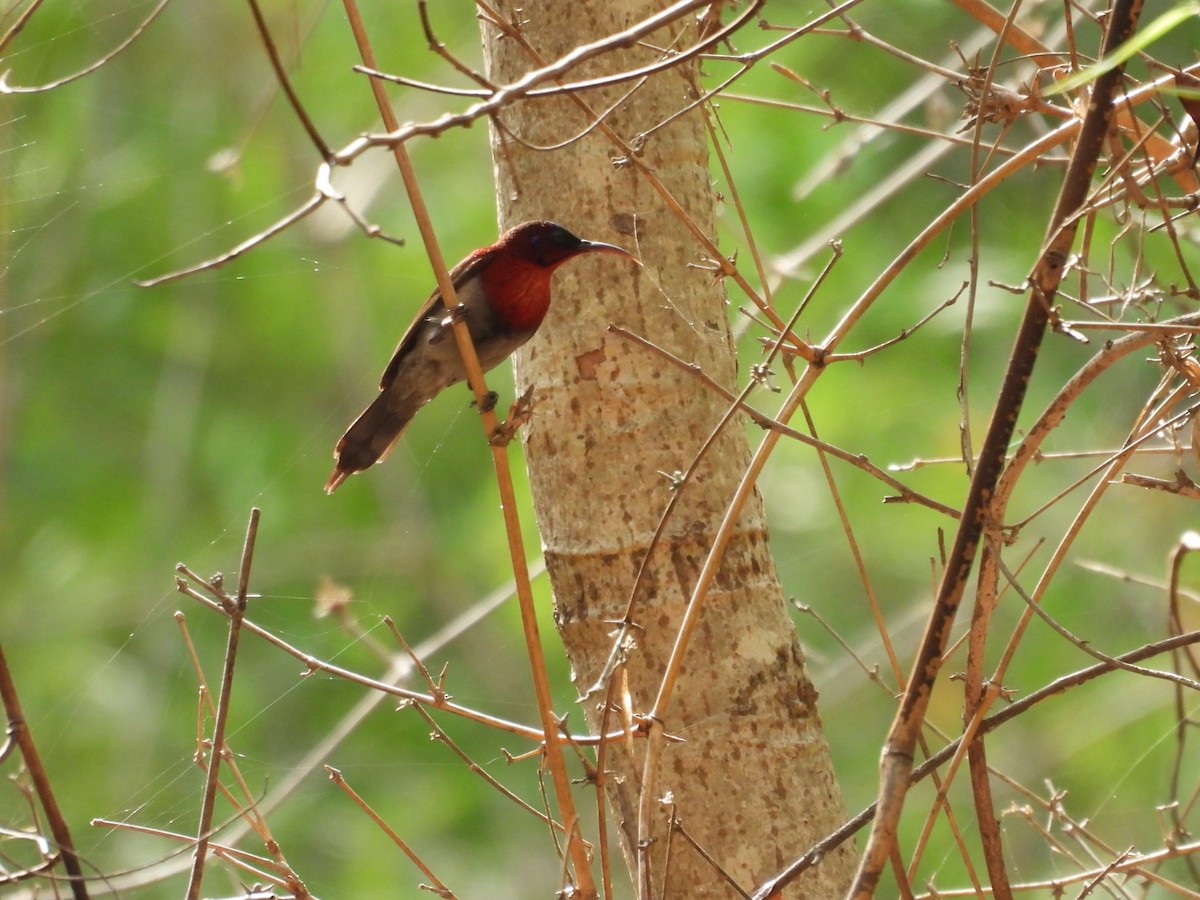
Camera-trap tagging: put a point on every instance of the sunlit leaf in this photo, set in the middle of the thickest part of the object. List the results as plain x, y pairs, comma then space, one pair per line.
1157, 29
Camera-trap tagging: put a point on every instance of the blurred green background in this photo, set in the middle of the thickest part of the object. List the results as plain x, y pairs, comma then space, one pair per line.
139, 426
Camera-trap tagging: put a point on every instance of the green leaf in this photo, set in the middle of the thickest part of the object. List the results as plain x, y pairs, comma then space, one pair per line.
1160, 27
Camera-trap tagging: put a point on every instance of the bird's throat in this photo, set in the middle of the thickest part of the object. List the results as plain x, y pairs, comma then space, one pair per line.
518, 292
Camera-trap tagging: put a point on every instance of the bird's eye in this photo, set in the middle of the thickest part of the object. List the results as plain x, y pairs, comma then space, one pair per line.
537, 249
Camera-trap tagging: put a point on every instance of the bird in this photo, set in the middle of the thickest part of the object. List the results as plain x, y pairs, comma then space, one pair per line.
504, 293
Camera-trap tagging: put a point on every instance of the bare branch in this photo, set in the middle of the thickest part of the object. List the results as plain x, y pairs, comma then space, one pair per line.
6, 88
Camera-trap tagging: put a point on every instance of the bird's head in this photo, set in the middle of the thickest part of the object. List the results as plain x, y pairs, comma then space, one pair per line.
520, 265
549, 245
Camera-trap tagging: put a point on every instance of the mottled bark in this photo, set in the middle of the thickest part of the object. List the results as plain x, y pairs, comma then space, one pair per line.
752, 782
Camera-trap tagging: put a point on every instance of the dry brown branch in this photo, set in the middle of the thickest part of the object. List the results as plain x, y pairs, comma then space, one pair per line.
860, 563
441, 50
313, 664
247, 807
310, 206
236, 608
988, 577
439, 888
6, 88
795, 398
770, 888
898, 753
581, 54
439, 734
1141, 336
1086, 645
396, 136
21, 739
904, 334
285, 83
576, 850
19, 23
266, 870
253, 812
1131, 862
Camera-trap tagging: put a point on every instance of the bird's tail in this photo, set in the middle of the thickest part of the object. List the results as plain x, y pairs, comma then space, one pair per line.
368, 440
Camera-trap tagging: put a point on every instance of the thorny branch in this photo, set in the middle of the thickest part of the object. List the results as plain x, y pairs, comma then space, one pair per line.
487, 107
314, 664
236, 607
617, 42
771, 887
904, 493
898, 751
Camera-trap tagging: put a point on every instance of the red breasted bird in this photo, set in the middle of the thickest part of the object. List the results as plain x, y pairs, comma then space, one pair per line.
505, 292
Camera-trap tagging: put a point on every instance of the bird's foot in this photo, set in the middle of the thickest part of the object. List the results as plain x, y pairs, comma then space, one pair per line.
490, 399
456, 313
446, 323
519, 413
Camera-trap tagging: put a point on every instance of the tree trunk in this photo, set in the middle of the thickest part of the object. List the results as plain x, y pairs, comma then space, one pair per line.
752, 781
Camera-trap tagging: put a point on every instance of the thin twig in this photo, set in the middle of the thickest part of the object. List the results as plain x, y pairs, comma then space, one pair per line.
860, 564
440, 49
618, 41
237, 611
903, 335
722, 876
286, 83
601, 801
1086, 646
439, 734
772, 886
314, 664
898, 750
576, 848
21, 22
439, 888
6, 88
762, 420
593, 124
1134, 865
18, 732
310, 206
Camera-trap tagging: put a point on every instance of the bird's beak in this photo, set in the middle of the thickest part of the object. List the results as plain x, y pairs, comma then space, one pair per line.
601, 247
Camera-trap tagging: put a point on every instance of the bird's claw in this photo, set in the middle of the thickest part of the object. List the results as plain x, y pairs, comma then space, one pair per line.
490, 399
456, 313
518, 414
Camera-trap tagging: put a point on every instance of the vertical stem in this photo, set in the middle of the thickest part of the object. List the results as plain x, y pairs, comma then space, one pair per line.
237, 612
558, 771
896, 765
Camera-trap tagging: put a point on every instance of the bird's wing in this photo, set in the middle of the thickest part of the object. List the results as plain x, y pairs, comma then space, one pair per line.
431, 308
